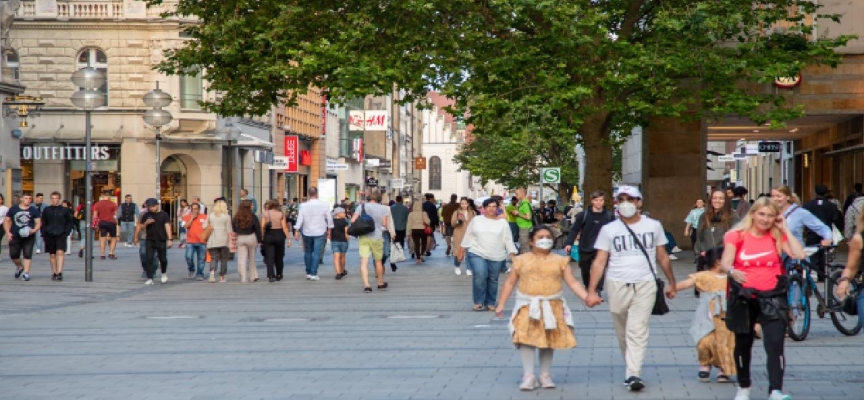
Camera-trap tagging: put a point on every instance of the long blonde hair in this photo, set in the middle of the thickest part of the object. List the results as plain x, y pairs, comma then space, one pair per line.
219, 209
747, 223
788, 192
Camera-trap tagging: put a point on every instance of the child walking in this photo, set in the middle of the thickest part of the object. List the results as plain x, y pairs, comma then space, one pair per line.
339, 241
715, 344
541, 319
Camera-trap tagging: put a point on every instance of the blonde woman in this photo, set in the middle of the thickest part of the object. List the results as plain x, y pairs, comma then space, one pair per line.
217, 244
752, 258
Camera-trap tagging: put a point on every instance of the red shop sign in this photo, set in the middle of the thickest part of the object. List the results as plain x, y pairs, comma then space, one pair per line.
292, 153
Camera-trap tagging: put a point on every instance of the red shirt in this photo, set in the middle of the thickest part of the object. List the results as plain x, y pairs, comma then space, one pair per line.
105, 211
757, 257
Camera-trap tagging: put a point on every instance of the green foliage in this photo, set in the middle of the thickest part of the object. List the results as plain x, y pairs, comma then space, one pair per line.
551, 72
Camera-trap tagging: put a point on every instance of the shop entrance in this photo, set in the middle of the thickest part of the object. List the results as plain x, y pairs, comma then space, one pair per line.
173, 185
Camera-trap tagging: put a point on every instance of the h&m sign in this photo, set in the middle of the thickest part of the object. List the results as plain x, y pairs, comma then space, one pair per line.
64, 153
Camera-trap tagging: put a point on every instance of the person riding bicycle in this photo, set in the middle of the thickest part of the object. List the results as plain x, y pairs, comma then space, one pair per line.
797, 218
853, 266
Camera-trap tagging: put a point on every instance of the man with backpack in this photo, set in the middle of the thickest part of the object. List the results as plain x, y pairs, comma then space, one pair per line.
588, 223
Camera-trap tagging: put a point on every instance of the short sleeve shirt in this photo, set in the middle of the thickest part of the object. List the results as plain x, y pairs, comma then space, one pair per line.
22, 217
156, 231
757, 257
338, 232
627, 263
377, 212
194, 227
106, 211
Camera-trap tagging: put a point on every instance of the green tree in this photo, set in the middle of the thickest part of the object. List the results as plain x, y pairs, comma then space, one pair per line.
578, 69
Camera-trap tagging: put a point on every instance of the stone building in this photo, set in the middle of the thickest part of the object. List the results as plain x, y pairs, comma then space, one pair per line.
125, 40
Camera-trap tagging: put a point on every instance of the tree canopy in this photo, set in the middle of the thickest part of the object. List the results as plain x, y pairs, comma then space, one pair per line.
544, 74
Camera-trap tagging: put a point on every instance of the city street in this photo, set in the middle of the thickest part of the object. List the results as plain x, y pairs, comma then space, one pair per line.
118, 339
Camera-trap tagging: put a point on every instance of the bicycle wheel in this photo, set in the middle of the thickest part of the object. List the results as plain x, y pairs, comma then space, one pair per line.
848, 325
799, 310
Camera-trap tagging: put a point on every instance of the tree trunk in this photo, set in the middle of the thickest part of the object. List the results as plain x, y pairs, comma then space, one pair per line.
598, 158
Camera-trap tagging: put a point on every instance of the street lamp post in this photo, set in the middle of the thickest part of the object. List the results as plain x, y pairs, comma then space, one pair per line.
88, 98
157, 117
231, 133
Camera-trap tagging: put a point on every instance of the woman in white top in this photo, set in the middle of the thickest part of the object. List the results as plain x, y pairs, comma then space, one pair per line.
217, 243
488, 242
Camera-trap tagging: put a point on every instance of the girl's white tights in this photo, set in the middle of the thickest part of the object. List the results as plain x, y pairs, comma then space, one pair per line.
527, 353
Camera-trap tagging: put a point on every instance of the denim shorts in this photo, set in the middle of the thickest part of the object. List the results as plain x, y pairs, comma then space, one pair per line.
339, 247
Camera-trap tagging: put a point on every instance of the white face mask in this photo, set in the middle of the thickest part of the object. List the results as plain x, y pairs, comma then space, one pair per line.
544, 244
627, 209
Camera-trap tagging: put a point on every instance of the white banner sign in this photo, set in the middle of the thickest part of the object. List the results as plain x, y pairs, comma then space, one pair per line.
337, 167
368, 120
279, 162
726, 158
327, 191
397, 183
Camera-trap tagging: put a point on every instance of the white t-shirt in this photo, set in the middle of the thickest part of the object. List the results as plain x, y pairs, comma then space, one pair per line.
626, 261
3, 211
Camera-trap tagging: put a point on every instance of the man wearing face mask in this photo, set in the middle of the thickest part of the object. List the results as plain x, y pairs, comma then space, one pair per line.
633, 246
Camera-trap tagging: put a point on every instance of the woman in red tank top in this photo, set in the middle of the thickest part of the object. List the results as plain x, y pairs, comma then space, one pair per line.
752, 257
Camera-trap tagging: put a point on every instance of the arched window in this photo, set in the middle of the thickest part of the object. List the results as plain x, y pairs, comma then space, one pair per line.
92, 57
434, 173
12, 62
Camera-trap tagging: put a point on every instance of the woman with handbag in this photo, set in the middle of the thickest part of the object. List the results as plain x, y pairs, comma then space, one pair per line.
275, 233
752, 258
459, 221
218, 232
418, 224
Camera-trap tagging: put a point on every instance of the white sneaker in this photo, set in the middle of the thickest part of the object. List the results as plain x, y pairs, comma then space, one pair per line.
164, 278
314, 278
778, 395
38, 251
676, 249
457, 271
469, 273
743, 394
149, 282
673, 257
308, 277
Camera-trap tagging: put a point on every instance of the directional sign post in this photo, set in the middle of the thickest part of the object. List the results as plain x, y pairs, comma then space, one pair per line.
549, 175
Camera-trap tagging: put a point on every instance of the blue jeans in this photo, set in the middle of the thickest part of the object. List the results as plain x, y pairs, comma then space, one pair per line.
486, 273
514, 231
312, 246
142, 256
386, 237
127, 230
671, 245
194, 250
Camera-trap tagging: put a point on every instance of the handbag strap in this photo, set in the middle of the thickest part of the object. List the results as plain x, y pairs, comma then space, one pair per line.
641, 247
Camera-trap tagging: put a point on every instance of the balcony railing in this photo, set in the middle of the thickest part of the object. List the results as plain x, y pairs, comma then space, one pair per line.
91, 10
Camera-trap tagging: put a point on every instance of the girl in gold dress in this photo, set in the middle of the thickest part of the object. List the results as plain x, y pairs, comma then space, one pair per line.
715, 344
541, 319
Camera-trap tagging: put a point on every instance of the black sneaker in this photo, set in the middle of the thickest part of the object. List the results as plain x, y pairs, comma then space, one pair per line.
383, 287
60, 276
18, 273
338, 277
634, 383
367, 290
344, 273
393, 267
53, 277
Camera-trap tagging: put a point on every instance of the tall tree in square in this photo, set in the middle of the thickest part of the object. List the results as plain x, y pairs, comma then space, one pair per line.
558, 72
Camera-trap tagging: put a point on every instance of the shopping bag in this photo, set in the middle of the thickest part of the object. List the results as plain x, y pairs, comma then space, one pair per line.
396, 253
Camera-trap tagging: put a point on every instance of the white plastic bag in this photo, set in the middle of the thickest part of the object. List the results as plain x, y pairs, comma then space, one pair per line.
396, 253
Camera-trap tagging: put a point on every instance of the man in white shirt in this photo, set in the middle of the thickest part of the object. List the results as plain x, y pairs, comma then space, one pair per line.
630, 277
314, 223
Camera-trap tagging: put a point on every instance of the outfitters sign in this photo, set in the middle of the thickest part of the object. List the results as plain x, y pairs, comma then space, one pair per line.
64, 153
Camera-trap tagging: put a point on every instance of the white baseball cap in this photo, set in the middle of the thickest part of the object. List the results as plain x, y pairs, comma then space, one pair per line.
630, 191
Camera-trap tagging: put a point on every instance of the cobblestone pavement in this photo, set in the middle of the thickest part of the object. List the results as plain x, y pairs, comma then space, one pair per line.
118, 339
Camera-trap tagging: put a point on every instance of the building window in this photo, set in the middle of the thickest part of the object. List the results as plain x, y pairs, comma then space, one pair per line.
191, 91
435, 173
95, 58
12, 62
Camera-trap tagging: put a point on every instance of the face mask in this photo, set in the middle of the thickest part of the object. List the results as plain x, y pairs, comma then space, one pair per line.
544, 244
627, 209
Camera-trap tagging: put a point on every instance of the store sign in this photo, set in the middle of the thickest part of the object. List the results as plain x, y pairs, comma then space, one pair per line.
64, 153
770, 147
788, 82
357, 149
397, 183
385, 164
292, 153
279, 163
371, 182
368, 120
726, 158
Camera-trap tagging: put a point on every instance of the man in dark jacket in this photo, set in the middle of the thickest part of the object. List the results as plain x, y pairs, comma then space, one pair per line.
127, 215
828, 213
446, 214
588, 223
432, 211
57, 225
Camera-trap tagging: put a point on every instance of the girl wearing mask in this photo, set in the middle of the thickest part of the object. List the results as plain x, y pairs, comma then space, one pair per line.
751, 256
541, 319
460, 220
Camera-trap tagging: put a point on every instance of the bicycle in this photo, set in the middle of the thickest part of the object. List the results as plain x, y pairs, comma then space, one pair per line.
802, 285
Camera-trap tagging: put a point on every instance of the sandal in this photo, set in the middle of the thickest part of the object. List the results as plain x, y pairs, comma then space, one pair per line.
478, 307
704, 376
722, 378
490, 308
112, 256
